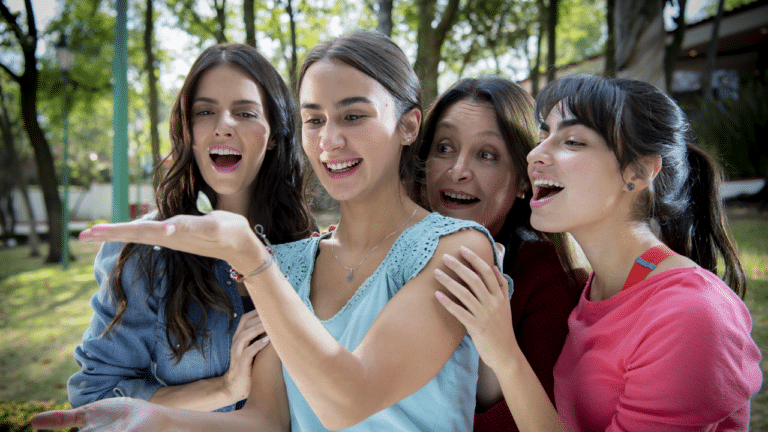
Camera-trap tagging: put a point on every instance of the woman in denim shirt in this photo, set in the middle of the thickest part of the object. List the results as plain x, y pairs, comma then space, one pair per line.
180, 331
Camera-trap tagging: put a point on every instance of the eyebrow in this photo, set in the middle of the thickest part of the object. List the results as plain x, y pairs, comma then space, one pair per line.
237, 102
565, 123
340, 104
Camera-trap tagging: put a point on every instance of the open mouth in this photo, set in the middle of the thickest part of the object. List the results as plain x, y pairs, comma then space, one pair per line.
342, 166
225, 157
458, 198
546, 189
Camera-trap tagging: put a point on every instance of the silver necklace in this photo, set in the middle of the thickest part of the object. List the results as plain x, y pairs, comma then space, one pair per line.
351, 275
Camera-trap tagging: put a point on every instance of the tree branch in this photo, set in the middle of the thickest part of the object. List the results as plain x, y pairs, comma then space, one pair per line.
449, 18
10, 72
10, 18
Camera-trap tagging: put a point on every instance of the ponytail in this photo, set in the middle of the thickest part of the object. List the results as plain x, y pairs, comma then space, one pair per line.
700, 231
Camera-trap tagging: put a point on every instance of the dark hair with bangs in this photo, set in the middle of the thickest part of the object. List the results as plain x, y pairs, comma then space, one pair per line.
513, 108
277, 202
377, 56
637, 120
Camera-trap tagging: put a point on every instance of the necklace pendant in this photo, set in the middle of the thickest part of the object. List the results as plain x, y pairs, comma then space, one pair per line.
350, 276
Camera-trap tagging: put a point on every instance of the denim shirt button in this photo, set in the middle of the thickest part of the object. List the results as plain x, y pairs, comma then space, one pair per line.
229, 282
235, 314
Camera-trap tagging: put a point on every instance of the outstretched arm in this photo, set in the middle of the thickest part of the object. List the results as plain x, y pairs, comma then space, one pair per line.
483, 308
406, 346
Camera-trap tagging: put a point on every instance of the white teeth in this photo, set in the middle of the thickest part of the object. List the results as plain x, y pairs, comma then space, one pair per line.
458, 196
223, 151
548, 183
343, 165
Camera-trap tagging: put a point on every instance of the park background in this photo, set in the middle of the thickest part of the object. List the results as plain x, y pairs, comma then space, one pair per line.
86, 87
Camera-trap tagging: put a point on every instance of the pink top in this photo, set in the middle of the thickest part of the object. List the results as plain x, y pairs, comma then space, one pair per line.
672, 352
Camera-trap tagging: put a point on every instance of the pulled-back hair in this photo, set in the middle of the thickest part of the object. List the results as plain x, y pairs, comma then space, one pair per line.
277, 202
513, 110
637, 120
377, 56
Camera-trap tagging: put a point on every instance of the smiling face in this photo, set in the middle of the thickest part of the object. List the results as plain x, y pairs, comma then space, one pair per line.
230, 133
470, 174
577, 182
350, 130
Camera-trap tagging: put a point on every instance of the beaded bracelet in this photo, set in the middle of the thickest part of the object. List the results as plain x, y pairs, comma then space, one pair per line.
259, 230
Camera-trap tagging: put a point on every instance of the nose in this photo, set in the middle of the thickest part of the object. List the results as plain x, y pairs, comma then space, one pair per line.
331, 138
224, 125
540, 154
461, 169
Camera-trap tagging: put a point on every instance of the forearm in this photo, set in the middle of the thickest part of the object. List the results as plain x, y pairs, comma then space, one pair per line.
241, 420
527, 401
207, 394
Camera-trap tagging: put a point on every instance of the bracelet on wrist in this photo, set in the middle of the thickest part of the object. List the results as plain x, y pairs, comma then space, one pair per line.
259, 230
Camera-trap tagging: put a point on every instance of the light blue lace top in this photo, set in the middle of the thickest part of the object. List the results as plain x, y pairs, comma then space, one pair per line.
447, 402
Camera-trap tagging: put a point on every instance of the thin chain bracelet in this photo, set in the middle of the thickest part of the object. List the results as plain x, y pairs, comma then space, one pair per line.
259, 230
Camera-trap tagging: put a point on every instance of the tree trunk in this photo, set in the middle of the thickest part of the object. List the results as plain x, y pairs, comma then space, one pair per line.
430, 41
149, 53
250, 22
15, 172
221, 18
640, 41
673, 49
711, 60
551, 34
28, 85
536, 70
294, 56
385, 17
610, 43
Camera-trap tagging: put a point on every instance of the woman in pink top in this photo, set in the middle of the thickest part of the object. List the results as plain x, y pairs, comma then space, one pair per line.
658, 341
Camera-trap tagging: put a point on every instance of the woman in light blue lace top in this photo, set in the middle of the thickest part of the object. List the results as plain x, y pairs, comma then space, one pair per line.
354, 322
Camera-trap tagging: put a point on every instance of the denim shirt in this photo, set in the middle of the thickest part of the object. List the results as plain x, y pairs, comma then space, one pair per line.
135, 360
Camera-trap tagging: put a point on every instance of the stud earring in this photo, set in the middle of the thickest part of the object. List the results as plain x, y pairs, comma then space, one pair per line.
630, 186
407, 140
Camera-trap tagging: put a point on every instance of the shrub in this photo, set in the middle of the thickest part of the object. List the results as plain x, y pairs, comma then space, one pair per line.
15, 416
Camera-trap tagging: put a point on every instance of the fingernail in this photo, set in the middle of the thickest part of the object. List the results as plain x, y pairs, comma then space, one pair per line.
464, 250
440, 296
439, 273
265, 340
448, 258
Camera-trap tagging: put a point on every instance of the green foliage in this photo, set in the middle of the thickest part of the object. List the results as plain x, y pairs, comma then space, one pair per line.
15, 416
736, 130
581, 30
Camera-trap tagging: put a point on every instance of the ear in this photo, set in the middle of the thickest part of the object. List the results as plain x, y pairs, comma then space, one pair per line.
271, 143
651, 165
410, 123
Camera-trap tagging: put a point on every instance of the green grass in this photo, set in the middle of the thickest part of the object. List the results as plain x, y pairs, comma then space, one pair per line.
45, 310
751, 235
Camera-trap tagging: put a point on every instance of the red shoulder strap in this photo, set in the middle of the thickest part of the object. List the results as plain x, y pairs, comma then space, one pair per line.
647, 262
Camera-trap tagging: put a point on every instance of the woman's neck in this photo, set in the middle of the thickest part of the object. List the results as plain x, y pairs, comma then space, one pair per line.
611, 251
363, 224
234, 204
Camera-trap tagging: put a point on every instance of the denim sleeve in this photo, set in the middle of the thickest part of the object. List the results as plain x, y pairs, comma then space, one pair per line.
119, 364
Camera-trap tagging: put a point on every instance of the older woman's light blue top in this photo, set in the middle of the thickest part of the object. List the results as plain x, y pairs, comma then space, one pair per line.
447, 402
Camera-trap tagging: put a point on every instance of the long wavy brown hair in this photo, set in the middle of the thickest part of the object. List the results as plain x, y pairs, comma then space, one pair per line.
278, 202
